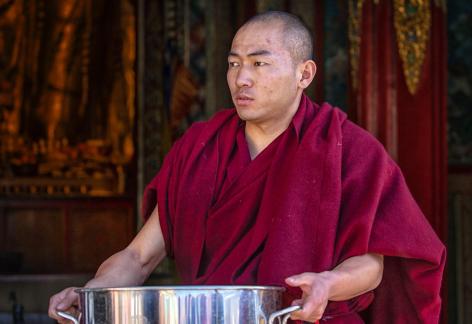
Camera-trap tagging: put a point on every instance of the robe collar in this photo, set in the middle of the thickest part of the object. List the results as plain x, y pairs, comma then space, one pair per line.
299, 117
296, 124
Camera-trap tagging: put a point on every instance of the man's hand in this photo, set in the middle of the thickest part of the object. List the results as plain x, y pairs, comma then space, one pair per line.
351, 278
316, 293
66, 301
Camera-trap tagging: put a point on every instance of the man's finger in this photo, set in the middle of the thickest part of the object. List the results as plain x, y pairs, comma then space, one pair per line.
71, 311
313, 307
62, 301
309, 312
53, 302
70, 299
300, 280
297, 314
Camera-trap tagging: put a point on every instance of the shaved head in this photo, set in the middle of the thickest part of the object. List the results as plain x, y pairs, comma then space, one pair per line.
269, 66
295, 33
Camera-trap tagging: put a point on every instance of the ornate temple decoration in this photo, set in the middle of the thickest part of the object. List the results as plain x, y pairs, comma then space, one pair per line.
354, 33
67, 93
412, 23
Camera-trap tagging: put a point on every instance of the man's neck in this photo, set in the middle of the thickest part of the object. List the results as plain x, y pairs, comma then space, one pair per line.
258, 139
259, 135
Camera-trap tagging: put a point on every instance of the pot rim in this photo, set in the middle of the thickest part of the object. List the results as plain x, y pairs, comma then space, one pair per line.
212, 288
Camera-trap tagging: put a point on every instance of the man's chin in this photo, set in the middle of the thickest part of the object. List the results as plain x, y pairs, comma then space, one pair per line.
244, 114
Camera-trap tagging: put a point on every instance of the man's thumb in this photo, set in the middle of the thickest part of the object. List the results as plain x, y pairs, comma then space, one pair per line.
292, 281
298, 280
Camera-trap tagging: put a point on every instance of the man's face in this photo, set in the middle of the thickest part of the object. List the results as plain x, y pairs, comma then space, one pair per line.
261, 74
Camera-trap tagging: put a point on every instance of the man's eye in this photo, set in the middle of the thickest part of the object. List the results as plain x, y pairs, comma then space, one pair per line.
233, 64
260, 63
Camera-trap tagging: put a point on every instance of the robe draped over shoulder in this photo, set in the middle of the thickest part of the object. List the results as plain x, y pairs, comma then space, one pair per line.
324, 192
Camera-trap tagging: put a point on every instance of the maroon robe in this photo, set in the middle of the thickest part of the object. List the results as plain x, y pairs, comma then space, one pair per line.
323, 191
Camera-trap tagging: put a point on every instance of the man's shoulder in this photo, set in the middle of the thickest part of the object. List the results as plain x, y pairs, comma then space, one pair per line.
333, 121
203, 130
351, 133
360, 147
356, 136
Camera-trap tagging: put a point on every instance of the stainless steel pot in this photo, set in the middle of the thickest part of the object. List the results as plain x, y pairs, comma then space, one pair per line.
182, 305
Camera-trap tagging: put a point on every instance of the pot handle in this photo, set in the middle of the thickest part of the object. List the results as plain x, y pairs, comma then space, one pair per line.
68, 316
286, 311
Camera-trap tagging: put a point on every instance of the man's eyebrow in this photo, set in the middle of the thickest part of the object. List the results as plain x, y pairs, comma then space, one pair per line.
255, 53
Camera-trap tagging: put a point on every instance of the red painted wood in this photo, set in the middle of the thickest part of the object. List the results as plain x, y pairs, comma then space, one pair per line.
412, 127
386, 78
366, 103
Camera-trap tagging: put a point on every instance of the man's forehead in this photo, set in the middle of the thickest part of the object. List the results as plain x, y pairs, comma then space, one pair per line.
256, 52
257, 37
255, 29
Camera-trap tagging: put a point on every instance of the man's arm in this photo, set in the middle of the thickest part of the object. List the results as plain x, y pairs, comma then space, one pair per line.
133, 265
349, 279
129, 267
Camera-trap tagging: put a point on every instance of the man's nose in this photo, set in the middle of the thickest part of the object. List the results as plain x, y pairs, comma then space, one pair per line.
244, 77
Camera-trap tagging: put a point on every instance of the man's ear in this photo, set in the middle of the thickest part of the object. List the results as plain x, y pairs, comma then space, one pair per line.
307, 71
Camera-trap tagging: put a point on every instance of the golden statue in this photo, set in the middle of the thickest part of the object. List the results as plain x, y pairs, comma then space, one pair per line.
67, 86
57, 99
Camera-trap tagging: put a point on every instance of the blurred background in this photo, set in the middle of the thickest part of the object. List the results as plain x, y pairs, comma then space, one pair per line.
94, 92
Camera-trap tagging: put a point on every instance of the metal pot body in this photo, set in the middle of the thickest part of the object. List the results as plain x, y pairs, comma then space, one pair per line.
180, 305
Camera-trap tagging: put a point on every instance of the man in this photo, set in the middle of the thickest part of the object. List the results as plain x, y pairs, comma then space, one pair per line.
283, 191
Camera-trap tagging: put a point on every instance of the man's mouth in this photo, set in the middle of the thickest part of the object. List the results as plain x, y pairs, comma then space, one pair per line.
243, 100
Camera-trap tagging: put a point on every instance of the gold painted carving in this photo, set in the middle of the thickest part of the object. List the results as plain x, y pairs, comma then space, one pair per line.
354, 33
412, 24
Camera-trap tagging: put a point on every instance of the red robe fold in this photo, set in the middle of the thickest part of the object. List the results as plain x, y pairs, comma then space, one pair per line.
322, 192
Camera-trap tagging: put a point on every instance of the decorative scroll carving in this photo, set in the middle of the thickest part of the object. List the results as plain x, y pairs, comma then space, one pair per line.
412, 25
354, 30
